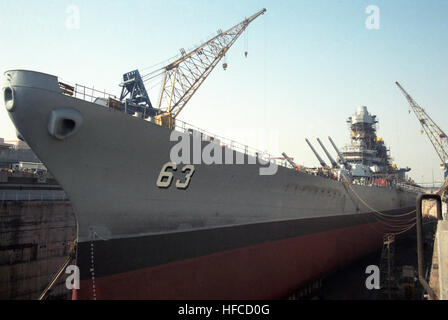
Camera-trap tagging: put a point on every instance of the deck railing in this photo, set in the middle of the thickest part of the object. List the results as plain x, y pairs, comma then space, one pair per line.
92, 94
411, 188
85, 93
188, 128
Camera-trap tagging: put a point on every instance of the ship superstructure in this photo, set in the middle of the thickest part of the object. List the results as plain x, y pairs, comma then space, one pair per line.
367, 153
365, 160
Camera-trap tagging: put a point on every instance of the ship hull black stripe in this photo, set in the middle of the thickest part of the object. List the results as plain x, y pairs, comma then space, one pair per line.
127, 254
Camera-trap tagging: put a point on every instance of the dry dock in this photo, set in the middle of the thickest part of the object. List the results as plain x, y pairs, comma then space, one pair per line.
348, 283
35, 238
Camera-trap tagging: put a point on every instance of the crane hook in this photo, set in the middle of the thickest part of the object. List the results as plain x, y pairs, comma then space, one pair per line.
224, 65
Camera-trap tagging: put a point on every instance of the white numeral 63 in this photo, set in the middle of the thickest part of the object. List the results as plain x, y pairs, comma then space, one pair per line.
166, 177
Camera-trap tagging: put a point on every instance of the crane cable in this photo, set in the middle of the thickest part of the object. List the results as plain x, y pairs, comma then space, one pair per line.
165, 62
150, 76
246, 42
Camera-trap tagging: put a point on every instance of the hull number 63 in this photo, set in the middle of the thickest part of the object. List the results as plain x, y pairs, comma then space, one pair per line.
166, 177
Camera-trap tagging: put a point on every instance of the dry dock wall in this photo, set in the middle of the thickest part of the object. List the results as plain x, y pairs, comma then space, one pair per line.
35, 238
439, 269
442, 239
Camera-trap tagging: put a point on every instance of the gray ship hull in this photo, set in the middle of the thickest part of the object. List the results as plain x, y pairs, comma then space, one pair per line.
109, 169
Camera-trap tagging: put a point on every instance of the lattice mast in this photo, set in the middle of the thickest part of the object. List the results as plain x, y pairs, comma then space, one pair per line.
437, 137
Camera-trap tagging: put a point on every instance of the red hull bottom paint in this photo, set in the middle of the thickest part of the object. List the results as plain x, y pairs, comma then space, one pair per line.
270, 270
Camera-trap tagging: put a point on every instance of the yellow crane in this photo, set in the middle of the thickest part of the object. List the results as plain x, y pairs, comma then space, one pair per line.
435, 134
182, 77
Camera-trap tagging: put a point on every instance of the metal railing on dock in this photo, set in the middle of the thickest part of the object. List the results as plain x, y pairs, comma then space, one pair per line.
33, 195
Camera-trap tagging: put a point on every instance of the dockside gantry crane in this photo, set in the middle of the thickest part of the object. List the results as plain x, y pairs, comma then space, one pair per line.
436, 135
181, 78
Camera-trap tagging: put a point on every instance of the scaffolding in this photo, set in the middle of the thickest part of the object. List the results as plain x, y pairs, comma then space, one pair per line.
387, 266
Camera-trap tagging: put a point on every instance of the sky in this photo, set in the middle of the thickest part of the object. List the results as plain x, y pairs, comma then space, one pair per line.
310, 64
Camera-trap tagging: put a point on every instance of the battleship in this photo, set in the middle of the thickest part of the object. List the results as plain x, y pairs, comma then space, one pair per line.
229, 233
153, 227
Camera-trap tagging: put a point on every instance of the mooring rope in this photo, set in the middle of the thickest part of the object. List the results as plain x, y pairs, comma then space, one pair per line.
404, 226
370, 207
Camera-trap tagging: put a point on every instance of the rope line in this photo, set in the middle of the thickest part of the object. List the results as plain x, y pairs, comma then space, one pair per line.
384, 218
370, 207
56, 277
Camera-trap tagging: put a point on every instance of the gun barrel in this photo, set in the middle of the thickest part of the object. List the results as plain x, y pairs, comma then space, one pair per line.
337, 150
333, 163
341, 157
289, 160
321, 161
